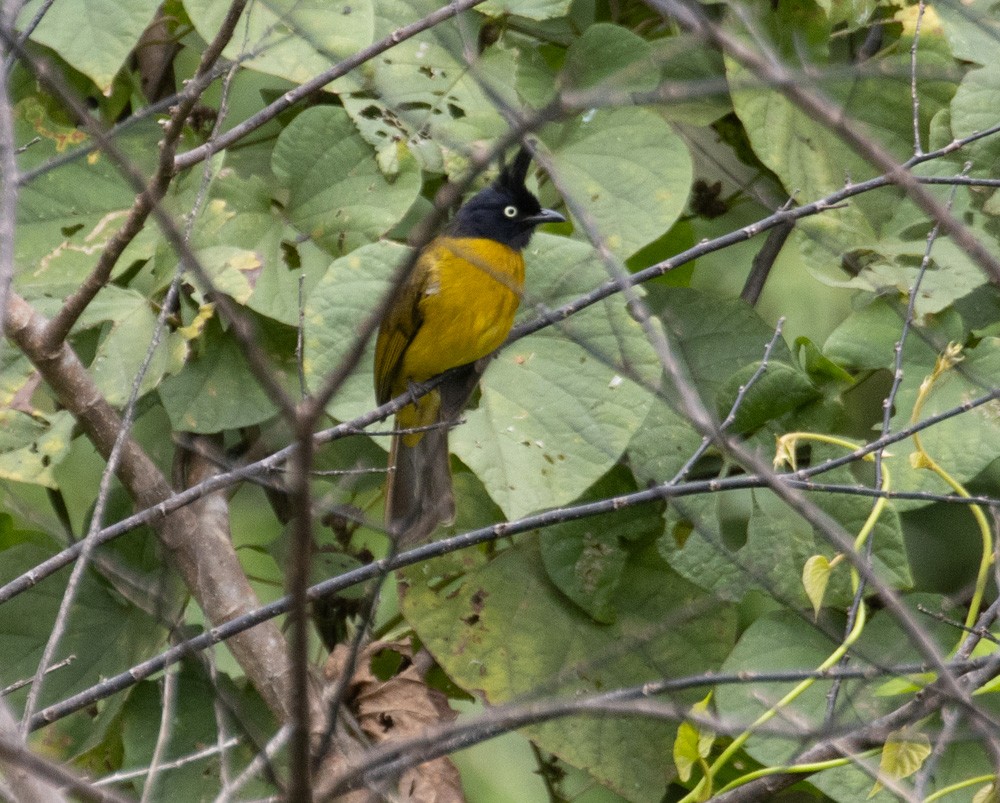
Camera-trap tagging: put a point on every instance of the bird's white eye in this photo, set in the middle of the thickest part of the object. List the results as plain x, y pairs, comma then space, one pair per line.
510, 211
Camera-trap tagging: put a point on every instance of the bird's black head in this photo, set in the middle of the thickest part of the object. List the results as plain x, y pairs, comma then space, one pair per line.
505, 211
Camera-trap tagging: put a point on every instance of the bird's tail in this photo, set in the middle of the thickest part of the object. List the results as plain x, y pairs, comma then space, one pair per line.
418, 493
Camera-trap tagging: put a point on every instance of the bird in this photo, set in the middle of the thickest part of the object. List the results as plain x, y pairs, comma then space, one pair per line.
455, 307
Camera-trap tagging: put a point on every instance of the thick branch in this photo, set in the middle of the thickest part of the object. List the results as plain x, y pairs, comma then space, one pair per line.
208, 564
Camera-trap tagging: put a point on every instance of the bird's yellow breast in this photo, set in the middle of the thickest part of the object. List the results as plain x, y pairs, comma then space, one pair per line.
467, 306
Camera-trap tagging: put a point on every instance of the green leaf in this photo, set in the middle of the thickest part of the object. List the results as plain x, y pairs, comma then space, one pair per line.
977, 94
776, 642
193, 725
95, 36
423, 92
903, 754
293, 39
32, 446
950, 275
779, 390
216, 390
242, 218
16, 376
337, 193
125, 343
786, 641
717, 336
818, 366
700, 533
609, 57
867, 338
531, 9
66, 216
687, 59
232, 270
731, 548
557, 410
504, 632
585, 558
339, 303
105, 635
972, 29
811, 160
661, 445
630, 171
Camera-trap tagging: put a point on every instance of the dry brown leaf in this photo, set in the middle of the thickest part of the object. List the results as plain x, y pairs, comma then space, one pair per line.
400, 707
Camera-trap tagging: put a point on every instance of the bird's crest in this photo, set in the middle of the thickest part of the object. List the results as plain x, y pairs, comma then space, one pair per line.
512, 176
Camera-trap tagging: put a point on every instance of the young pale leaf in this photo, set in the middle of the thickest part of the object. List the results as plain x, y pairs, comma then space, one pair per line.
693, 742
815, 576
987, 794
903, 754
685, 750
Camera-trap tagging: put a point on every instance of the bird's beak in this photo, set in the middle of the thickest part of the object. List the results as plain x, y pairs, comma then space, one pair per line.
545, 216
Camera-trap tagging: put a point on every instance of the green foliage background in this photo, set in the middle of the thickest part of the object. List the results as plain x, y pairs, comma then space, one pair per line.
665, 144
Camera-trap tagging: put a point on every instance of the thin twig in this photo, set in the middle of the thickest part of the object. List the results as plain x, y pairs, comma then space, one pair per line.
888, 407
8, 176
261, 761
914, 95
170, 683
